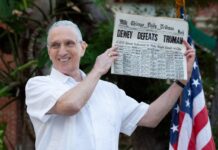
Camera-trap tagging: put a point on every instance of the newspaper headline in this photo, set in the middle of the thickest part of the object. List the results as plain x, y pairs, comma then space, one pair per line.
150, 46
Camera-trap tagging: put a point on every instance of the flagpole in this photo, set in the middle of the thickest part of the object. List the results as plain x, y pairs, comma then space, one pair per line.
180, 4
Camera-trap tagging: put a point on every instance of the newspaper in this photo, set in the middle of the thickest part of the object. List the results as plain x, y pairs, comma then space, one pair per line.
150, 46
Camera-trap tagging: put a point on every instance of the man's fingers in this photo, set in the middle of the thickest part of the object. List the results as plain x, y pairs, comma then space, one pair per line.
189, 51
112, 52
114, 48
187, 45
190, 55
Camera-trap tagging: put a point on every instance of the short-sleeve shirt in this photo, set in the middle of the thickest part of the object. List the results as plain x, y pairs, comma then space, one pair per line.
96, 126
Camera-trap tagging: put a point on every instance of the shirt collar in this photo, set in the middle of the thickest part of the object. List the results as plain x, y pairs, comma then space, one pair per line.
62, 77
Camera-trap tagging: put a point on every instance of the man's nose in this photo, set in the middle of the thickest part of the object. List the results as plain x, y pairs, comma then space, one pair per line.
62, 51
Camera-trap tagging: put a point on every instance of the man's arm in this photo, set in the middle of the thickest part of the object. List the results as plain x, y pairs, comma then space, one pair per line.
162, 105
75, 98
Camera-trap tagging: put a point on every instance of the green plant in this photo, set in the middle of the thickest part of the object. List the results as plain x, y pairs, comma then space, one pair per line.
100, 41
2, 133
23, 28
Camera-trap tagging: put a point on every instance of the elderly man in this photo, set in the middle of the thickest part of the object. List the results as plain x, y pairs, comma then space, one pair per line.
74, 111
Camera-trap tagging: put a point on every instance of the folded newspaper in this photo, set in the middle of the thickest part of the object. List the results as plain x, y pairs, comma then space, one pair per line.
150, 46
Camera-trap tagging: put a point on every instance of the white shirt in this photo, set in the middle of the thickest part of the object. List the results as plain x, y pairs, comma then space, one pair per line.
96, 126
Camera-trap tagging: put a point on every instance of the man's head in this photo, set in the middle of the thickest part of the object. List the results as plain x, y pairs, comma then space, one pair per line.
66, 23
65, 46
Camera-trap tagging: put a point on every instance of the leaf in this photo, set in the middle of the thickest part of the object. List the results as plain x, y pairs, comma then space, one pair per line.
5, 10
32, 63
5, 90
2, 133
100, 41
43, 58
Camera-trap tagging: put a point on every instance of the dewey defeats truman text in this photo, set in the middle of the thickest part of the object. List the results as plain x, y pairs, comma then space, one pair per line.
150, 46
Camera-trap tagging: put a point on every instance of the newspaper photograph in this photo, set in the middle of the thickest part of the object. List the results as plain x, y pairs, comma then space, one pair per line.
150, 46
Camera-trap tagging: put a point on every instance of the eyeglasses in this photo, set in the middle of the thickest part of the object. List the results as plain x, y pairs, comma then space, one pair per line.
67, 44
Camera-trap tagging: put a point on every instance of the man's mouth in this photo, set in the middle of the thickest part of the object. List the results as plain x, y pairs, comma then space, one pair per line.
64, 59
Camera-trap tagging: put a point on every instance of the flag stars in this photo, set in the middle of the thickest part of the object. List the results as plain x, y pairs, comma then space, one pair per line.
195, 65
189, 92
195, 82
174, 128
177, 108
187, 103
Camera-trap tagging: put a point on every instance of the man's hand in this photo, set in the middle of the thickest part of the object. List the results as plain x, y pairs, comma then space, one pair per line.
190, 57
105, 60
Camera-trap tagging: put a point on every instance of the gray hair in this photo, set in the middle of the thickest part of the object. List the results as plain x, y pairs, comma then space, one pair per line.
67, 23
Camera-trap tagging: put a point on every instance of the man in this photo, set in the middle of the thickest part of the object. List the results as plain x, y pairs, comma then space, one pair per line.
70, 110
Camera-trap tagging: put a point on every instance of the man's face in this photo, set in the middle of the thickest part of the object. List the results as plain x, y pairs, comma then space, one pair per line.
64, 49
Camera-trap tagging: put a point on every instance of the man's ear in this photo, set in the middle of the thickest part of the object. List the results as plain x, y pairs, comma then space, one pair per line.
84, 45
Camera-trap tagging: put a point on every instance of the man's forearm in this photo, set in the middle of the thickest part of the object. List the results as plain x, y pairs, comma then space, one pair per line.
74, 99
161, 106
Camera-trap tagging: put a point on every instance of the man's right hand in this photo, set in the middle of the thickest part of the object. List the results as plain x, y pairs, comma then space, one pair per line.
105, 60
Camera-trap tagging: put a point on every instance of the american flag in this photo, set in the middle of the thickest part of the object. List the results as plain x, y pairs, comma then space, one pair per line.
190, 125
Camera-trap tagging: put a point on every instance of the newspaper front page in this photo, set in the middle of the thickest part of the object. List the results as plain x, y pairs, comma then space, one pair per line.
150, 46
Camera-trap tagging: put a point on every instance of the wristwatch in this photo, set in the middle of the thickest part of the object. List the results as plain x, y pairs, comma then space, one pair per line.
180, 84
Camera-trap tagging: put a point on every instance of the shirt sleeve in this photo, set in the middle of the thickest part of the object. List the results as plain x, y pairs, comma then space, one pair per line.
41, 96
131, 112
